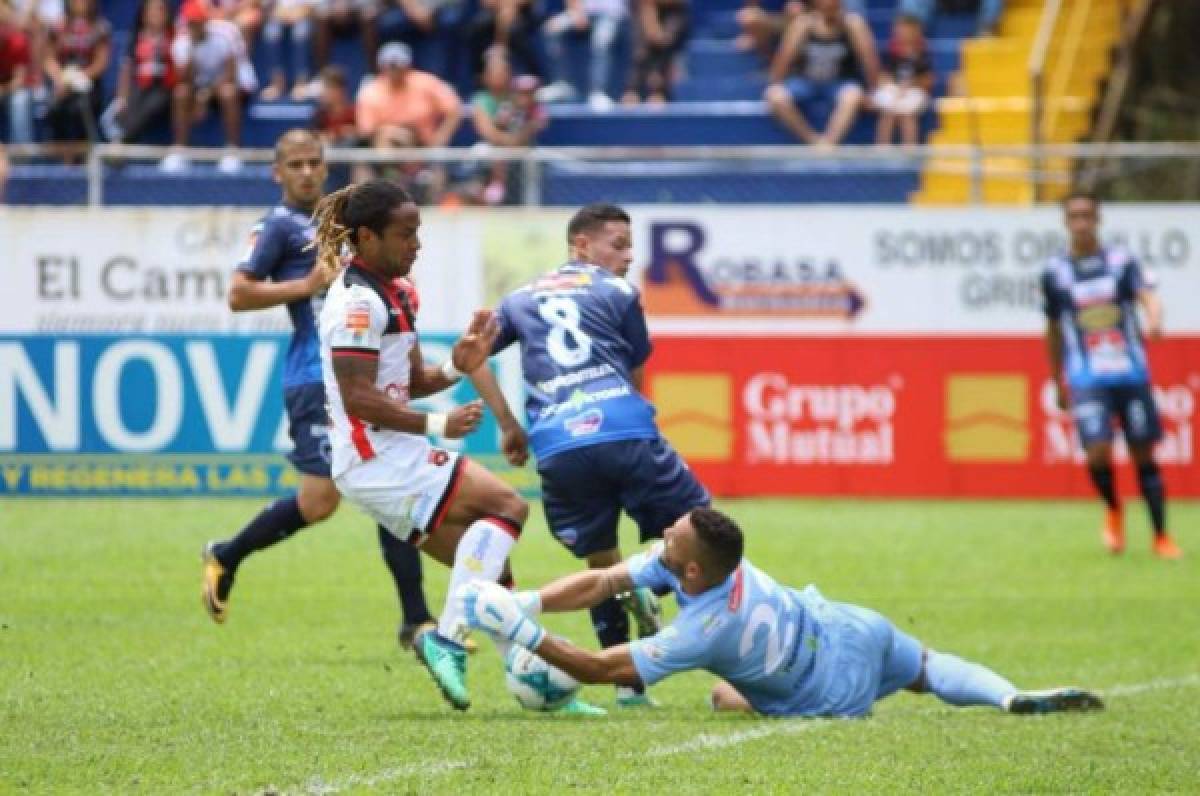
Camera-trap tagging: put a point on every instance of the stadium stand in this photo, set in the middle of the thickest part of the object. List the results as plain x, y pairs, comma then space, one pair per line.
718, 103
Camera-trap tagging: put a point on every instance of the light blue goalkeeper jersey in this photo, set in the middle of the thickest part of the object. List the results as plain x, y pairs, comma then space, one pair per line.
763, 638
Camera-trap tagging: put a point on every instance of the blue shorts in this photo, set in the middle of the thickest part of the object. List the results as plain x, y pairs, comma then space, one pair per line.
870, 659
308, 426
1096, 408
805, 91
585, 489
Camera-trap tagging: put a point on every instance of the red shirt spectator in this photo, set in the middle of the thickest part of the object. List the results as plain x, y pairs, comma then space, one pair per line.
152, 62
14, 54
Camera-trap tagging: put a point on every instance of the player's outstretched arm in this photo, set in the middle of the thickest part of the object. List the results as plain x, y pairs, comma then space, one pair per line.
613, 665
584, 589
515, 442
1152, 309
247, 293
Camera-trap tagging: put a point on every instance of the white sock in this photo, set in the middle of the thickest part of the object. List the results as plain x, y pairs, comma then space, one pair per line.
481, 554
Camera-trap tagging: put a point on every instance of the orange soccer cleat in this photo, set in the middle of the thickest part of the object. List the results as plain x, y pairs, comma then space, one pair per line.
1114, 531
1165, 547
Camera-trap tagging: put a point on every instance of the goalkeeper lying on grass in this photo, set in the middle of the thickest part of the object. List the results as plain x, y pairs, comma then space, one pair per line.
779, 651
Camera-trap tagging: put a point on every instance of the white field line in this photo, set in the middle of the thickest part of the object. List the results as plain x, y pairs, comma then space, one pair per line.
1152, 685
706, 741
702, 742
318, 787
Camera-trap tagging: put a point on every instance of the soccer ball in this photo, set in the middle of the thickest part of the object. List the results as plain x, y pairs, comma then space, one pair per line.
535, 684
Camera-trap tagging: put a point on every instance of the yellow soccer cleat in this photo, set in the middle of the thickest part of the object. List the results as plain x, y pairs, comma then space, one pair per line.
218, 582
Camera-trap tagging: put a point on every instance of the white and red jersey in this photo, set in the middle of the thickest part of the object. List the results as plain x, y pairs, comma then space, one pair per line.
367, 316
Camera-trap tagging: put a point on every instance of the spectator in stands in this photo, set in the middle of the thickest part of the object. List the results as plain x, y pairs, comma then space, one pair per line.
291, 20
506, 114
410, 21
37, 18
510, 25
247, 15
213, 67
925, 11
3, 172
905, 82
336, 120
663, 33
147, 75
338, 17
78, 54
602, 21
16, 100
403, 106
835, 53
762, 23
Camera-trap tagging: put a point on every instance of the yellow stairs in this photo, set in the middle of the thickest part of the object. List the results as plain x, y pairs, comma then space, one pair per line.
996, 108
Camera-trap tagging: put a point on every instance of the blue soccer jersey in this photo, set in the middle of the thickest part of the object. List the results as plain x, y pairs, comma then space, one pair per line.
1094, 302
582, 333
278, 251
763, 638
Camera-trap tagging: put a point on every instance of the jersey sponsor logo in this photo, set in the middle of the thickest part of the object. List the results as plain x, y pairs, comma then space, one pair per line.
580, 399
559, 281
358, 318
587, 423
987, 417
685, 278
575, 377
1099, 316
696, 414
711, 624
1094, 291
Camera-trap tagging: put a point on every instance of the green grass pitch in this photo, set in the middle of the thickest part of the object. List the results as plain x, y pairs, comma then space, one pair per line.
113, 679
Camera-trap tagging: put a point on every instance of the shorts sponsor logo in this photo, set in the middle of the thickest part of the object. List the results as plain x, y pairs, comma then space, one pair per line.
568, 536
653, 651
587, 423
696, 414
438, 457
818, 423
987, 417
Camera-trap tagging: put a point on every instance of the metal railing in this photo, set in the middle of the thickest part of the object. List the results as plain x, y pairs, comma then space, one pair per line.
1043, 163
1037, 77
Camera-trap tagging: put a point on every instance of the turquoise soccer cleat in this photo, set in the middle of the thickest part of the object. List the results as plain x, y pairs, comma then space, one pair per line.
447, 665
577, 707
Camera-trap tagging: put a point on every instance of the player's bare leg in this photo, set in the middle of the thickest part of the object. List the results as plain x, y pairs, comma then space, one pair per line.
474, 539
315, 501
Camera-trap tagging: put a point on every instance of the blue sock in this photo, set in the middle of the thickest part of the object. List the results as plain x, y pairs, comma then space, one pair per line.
612, 626
963, 683
273, 524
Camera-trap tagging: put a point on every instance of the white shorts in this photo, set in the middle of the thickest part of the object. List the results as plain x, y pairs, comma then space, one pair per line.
407, 490
900, 99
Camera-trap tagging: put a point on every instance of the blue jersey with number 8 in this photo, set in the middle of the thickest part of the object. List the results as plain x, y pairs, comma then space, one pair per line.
582, 334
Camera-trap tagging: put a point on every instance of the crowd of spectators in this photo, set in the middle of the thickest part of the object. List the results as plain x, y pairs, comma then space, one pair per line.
182, 63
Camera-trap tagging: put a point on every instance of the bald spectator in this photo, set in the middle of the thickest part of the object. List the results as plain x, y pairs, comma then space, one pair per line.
405, 107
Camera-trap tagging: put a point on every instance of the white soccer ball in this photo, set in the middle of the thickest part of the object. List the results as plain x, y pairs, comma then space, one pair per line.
535, 684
